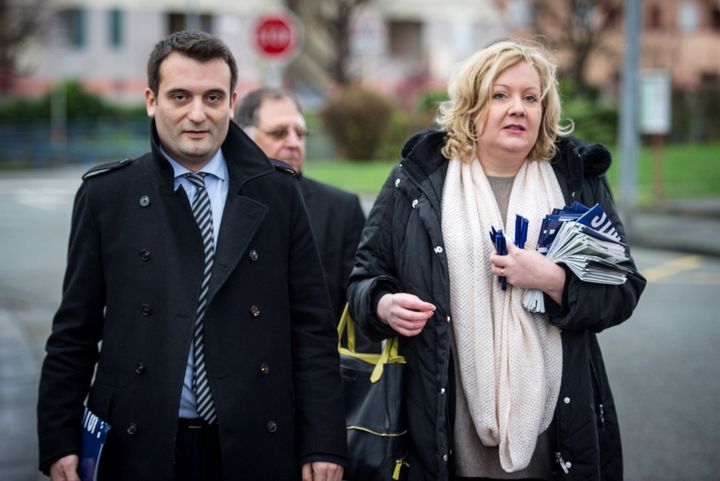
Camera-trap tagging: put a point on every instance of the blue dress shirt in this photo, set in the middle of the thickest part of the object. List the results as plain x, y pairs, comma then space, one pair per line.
216, 184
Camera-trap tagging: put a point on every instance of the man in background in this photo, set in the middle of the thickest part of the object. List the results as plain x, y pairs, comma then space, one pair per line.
274, 120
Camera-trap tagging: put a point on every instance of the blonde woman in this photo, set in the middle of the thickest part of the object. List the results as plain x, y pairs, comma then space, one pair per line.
494, 391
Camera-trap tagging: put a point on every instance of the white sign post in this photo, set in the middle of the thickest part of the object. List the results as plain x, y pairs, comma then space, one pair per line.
655, 102
656, 118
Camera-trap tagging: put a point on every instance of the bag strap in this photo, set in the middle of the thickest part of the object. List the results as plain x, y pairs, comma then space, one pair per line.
389, 354
346, 324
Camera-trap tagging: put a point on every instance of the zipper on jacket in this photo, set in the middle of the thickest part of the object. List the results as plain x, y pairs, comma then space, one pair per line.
450, 390
597, 387
558, 454
561, 462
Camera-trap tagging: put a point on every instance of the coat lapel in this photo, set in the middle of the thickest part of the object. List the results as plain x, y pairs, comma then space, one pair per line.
242, 215
241, 219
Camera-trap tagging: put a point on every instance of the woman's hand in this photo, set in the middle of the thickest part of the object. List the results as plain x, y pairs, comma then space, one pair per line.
405, 313
530, 270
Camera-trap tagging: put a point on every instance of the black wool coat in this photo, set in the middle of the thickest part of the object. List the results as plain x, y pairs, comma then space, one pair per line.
132, 282
402, 250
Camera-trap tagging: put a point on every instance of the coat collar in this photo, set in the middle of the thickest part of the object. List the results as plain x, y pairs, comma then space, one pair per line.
425, 165
574, 161
244, 159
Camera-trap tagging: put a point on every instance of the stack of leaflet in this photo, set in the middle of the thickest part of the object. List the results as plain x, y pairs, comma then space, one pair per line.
585, 240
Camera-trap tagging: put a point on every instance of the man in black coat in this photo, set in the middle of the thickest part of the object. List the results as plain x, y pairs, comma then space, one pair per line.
218, 357
274, 120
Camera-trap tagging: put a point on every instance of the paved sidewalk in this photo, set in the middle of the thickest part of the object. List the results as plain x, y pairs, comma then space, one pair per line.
689, 226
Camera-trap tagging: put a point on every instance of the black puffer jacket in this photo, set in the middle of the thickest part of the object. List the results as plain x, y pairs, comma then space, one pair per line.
402, 250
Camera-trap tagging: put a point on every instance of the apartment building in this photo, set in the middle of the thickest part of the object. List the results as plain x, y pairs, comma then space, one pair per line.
105, 43
398, 46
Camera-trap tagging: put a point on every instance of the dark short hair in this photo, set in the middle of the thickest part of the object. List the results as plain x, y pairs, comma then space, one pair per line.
248, 107
198, 46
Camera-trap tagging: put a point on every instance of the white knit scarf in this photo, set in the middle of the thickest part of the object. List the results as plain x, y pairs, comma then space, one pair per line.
510, 359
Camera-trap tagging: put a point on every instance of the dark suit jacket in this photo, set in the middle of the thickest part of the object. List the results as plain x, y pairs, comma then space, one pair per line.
132, 282
337, 220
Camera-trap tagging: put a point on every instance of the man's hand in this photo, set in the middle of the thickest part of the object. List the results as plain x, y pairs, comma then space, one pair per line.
407, 314
65, 469
322, 471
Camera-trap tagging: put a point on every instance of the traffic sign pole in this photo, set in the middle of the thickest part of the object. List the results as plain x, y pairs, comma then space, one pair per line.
277, 38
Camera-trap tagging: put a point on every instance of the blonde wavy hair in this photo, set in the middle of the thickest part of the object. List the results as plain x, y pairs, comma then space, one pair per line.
470, 88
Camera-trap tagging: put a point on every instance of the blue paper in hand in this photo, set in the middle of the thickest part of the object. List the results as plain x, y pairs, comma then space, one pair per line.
94, 433
498, 239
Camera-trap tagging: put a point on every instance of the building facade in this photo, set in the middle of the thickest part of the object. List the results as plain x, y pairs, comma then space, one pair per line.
397, 46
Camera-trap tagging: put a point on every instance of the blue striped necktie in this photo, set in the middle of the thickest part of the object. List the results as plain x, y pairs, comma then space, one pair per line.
203, 216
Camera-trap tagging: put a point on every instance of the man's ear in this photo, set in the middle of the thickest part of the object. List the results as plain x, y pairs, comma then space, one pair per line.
150, 102
233, 103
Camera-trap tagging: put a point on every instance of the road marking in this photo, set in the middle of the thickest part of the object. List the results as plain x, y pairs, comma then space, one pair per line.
674, 267
45, 198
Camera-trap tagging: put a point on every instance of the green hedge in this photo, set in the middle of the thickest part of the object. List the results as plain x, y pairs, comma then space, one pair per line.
357, 121
79, 104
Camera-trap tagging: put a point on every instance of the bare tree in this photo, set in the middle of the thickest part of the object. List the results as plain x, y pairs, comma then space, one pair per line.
333, 18
338, 24
19, 21
577, 28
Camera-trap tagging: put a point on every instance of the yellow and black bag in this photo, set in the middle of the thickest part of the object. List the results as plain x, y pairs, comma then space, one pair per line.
374, 415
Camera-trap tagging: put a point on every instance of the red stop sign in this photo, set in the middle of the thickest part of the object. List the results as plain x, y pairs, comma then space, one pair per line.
276, 36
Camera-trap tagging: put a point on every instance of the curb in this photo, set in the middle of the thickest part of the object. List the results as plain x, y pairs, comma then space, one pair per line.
656, 243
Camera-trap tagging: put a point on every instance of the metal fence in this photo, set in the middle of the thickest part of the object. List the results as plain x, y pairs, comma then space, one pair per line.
35, 144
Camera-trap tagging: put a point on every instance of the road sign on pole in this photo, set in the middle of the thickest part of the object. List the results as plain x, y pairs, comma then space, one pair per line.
277, 36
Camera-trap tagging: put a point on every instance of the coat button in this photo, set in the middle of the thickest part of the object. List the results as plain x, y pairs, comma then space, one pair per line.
144, 201
445, 458
254, 311
264, 368
145, 309
139, 368
438, 250
144, 255
253, 255
397, 182
414, 203
132, 429
271, 426
566, 400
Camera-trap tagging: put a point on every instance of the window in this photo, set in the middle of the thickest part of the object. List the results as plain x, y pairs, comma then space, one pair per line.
115, 27
715, 18
180, 21
405, 39
613, 17
520, 13
654, 18
688, 17
72, 22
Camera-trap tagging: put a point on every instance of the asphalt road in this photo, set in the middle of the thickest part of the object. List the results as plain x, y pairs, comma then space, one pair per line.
664, 363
